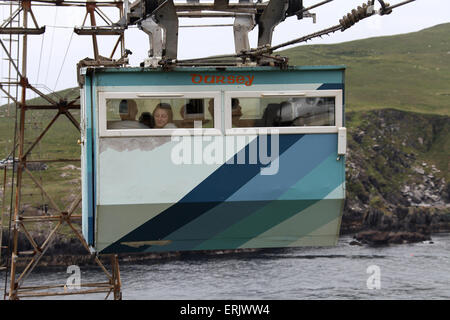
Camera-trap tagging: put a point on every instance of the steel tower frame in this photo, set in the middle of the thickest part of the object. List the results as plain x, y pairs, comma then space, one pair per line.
19, 223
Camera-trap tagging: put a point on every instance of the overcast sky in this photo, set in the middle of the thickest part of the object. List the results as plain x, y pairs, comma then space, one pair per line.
46, 52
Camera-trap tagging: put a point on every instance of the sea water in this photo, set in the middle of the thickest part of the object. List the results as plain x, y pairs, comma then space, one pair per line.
406, 271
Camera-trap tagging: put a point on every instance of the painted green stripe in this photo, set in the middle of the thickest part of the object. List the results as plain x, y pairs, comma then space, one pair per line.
326, 235
301, 224
258, 222
117, 221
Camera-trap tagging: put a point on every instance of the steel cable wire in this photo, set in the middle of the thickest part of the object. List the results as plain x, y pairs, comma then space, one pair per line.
64, 60
51, 47
40, 59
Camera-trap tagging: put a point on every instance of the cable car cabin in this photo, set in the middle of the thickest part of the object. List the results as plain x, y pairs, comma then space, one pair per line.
206, 159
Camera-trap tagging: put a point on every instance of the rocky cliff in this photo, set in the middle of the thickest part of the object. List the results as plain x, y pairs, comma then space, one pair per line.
397, 173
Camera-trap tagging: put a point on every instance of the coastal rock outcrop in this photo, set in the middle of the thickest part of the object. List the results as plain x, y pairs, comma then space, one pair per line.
397, 172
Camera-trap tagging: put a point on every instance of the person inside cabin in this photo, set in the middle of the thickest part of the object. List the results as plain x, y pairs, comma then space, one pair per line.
210, 123
236, 112
163, 116
147, 119
211, 107
127, 111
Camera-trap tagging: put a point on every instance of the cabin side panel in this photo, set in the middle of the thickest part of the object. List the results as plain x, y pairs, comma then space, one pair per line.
149, 201
87, 162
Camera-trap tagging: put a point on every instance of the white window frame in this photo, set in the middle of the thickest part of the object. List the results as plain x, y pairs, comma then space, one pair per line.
102, 118
337, 94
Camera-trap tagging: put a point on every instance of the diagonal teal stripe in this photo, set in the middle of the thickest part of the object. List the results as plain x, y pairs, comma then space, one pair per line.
230, 212
276, 211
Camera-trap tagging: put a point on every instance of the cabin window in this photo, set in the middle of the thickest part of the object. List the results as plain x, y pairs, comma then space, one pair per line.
290, 112
282, 112
159, 114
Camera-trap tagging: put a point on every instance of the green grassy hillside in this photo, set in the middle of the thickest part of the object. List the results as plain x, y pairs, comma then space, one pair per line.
409, 72
61, 180
59, 140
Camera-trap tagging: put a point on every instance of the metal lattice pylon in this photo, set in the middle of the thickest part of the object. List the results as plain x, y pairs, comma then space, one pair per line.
21, 155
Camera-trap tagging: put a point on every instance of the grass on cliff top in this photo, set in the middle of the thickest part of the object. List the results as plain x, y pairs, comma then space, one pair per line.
409, 72
424, 135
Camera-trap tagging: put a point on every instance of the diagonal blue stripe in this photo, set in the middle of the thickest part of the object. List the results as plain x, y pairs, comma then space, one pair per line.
294, 166
331, 86
216, 188
305, 155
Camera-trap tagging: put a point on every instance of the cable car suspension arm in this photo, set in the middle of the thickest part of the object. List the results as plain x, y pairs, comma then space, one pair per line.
349, 20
